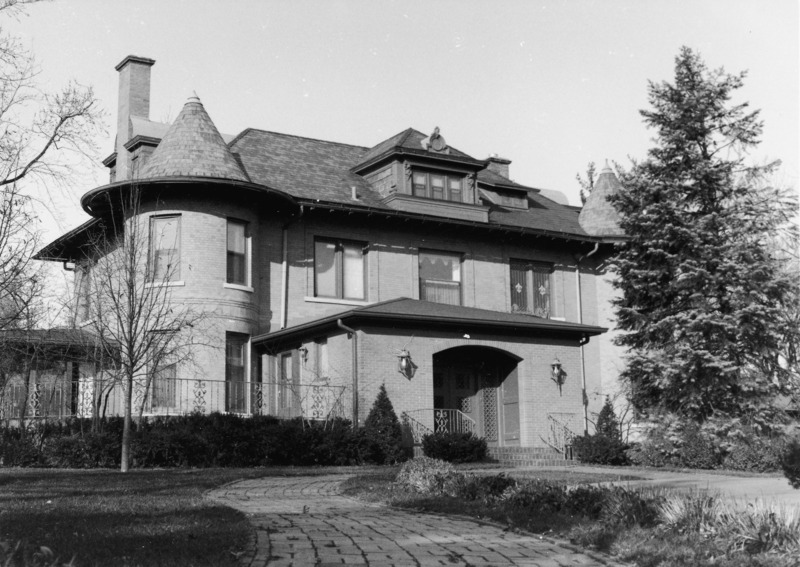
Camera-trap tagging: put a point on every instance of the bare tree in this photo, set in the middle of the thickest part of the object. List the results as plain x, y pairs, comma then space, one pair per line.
42, 136
20, 281
140, 327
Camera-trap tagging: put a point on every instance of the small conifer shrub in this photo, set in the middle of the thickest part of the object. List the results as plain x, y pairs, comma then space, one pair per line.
383, 432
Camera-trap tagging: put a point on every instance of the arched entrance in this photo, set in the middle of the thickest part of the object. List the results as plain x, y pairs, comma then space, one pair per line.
481, 383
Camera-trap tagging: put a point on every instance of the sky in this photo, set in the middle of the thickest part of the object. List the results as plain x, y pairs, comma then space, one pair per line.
550, 85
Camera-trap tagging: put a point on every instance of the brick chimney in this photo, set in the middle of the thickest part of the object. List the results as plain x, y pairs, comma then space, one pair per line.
498, 165
134, 100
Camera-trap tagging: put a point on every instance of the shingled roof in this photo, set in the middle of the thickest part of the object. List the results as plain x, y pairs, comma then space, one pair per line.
193, 147
321, 171
598, 216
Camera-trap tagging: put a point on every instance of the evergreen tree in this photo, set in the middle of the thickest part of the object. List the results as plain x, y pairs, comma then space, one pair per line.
607, 422
703, 292
384, 431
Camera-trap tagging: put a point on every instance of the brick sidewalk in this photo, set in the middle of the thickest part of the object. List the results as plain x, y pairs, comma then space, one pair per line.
304, 522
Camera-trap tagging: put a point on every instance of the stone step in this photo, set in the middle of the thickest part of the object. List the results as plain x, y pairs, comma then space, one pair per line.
522, 456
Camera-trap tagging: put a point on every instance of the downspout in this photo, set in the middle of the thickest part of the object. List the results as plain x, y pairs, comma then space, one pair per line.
285, 266
584, 339
351, 334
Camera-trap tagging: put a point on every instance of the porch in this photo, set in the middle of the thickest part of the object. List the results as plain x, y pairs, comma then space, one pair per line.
50, 397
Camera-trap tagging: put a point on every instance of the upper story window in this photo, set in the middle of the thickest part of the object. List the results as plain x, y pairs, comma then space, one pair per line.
238, 261
339, 269
440, 277
440, 186
531, 288
165, 248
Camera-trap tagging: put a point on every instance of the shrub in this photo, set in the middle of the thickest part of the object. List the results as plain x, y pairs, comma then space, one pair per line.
760, 528
601, 450
18, 450
426, 475
754, 453
693, 512
790, 462
536, 495
454, 447
607, 422
630, 508
473, 487
695, 450
383, 432
585, 500
90, 450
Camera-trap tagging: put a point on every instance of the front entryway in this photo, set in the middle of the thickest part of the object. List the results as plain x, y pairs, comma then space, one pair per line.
478, 384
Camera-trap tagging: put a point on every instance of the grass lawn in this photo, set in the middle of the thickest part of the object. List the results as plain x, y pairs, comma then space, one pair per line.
143, 517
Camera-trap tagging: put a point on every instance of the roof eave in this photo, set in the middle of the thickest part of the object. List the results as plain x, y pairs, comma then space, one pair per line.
92, 195
360, 316
370, 210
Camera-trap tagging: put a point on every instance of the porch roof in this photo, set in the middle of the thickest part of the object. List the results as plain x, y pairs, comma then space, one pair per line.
48, 343
414, 313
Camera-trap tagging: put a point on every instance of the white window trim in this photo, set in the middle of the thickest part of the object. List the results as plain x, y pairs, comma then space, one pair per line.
180, 283
246, 288
334, 300
248, 256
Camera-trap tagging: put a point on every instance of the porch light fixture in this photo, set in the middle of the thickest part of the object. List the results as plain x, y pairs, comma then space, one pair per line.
303, 353
405, 365
557, 374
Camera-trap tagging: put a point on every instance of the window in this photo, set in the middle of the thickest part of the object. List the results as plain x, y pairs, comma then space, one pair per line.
440, 277
238, 252
339, 269
438, 186
165, 386
235, 372
165, 248
531, 288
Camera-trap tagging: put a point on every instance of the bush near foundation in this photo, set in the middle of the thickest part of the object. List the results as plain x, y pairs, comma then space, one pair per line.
454, 447
605, 447
790, 462
215, 440
382, 432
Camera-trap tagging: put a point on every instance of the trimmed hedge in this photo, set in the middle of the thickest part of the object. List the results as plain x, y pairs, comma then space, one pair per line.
454, 447
196, 440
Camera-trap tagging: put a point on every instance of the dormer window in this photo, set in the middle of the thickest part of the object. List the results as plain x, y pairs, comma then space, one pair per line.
439, 186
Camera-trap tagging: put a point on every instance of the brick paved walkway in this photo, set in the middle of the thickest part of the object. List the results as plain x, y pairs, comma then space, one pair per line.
303, 521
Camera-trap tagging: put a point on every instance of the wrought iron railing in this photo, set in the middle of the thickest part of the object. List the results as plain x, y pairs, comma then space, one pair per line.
421, 422
175, 396
560, 435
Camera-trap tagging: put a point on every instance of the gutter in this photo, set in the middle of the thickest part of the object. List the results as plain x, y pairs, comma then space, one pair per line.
351, 334
584, 339
285, 267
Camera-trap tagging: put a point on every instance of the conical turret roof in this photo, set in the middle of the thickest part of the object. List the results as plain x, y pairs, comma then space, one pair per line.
193, 147
598, 216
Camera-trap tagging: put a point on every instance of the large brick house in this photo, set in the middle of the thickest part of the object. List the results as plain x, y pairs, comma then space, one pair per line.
330, 269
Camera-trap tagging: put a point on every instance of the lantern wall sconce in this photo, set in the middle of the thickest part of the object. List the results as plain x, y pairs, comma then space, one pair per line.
557, 374
405, 365
303, 354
